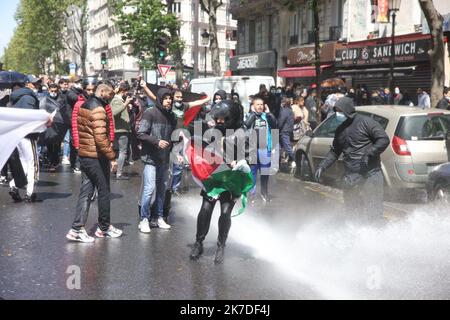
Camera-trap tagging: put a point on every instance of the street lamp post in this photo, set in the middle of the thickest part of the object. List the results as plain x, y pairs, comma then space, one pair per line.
205, 41
394, 6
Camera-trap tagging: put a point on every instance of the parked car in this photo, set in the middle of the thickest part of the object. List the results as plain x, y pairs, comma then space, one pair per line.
417, 145
438, 186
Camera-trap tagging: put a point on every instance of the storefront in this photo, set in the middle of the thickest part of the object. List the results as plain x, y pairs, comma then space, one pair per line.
255, 64
300, 66
367, 63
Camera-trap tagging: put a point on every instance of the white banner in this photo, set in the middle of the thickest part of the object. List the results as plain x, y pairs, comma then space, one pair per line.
15, 124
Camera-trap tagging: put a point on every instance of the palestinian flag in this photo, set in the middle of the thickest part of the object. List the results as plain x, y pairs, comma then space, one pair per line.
218, 177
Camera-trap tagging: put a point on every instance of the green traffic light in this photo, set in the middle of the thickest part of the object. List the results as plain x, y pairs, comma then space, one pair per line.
162, 54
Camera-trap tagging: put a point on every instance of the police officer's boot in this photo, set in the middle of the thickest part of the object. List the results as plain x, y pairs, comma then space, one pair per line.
197, 250
219, 254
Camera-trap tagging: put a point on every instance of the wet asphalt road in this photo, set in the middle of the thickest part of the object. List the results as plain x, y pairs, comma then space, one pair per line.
37, 262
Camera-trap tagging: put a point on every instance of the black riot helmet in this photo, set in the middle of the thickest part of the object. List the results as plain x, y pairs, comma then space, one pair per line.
90, 81
229, 111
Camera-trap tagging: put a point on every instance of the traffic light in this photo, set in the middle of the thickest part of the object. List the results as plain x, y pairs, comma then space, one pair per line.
104, 60
162, 48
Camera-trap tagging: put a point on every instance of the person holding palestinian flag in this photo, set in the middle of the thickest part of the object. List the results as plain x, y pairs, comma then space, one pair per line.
219, 166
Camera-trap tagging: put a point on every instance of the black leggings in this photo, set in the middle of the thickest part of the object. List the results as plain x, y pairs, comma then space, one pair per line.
204, 217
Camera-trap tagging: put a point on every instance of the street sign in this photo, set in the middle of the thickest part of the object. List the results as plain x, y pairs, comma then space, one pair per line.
164, 69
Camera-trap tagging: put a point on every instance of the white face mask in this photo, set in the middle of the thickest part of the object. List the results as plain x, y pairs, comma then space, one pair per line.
341, 116
397, 90
53, 94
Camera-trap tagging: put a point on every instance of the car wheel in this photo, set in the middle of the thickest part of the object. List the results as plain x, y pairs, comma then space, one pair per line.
442, 194
303, 168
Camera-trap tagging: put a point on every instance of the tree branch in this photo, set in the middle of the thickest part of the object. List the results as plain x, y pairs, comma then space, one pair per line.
205, 6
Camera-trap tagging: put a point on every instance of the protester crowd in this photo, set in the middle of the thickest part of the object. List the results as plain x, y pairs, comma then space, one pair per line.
102, 127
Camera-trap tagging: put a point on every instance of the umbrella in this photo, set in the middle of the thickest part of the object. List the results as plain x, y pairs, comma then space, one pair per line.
8, 78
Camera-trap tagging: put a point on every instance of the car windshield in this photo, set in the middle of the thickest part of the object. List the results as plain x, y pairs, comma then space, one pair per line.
423, 127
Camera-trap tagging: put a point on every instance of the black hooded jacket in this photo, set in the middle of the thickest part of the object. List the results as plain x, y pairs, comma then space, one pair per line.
221, 93
157, 124
357, 137
24, 98
72, 96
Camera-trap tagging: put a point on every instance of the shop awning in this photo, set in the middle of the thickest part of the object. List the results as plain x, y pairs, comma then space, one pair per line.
300, 72
373, 70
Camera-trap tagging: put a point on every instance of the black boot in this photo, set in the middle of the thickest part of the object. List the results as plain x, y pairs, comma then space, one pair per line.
219, 254
14, 193
196, 251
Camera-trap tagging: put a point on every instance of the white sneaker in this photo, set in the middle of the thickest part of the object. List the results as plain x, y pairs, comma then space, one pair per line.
144, 226
293, 165
162, 224
80, 236
65, 161
112, 232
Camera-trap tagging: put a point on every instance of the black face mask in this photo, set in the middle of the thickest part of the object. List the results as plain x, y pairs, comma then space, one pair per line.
221, 127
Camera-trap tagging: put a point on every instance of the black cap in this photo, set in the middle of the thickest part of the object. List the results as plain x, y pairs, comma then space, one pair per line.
32, 79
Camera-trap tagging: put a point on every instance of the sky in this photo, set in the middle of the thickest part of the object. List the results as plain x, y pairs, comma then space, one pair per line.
7, 22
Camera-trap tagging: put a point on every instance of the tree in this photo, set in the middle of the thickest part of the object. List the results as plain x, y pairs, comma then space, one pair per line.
37, 36
436, 53
210, 7
76, 25
141, 24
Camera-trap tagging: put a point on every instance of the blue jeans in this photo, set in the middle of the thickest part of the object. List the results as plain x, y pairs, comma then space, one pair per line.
155, 178
286, 145
67, 138
263, 165
177, 173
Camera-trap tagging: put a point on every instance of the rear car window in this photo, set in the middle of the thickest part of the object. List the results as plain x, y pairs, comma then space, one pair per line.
381, 120
423, 127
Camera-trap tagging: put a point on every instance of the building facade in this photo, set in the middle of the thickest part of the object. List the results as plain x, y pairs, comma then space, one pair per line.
358, 27
104, 37
194, 23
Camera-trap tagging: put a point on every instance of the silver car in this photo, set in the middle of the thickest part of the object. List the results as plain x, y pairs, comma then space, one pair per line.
417, 145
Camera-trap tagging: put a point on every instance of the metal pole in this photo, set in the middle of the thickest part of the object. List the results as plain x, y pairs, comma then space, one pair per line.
392, 61
206, 58
156, 68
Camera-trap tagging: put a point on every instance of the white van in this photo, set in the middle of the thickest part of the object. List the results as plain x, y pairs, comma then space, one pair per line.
245, 86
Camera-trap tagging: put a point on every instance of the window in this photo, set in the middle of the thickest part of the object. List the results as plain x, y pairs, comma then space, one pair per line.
427, 127
293, 30
328, 128
176, 7
381, 120
231, 35
252, 39
270, 31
